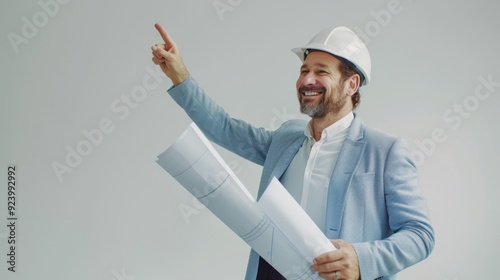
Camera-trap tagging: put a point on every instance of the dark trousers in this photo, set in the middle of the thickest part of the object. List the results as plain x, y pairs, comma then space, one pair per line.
267, 272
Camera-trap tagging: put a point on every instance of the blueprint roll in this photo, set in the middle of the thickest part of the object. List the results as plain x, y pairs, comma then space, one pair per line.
197, 166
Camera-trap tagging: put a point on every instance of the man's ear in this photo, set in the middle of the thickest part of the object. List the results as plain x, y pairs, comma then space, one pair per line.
352, 84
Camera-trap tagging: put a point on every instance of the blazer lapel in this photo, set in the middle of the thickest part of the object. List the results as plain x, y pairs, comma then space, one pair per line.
342, 174
284, 155
287, 157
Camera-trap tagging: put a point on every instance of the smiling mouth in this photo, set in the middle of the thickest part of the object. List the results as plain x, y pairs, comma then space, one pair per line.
311, 93
311, 90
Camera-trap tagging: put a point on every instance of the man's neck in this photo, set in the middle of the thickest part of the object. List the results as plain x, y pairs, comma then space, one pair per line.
319, 124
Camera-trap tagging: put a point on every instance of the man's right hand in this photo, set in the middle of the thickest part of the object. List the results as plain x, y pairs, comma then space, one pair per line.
168, 57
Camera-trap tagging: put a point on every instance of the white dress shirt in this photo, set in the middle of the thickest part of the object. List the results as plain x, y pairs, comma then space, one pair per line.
308, 176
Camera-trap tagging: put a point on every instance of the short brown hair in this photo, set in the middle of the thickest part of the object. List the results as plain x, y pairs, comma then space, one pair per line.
346, 72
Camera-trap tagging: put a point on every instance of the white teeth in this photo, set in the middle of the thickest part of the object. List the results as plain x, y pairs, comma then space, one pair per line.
311, 93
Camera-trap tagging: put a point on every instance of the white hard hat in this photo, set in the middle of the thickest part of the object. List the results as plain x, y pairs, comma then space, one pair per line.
344, 44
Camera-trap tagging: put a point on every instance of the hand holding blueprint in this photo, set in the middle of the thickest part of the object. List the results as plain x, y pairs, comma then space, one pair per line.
276, 227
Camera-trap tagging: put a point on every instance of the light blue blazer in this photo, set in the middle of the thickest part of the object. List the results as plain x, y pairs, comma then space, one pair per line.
374, 201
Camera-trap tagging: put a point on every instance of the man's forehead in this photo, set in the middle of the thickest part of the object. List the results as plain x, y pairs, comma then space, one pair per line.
320, 59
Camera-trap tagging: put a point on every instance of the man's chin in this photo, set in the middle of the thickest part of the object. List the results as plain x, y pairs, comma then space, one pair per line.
313, 112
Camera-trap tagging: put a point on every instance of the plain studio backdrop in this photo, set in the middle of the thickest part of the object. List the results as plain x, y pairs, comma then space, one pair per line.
84, 114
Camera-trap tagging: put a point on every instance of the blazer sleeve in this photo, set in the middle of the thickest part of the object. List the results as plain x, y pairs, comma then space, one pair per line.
413, 236
235, 135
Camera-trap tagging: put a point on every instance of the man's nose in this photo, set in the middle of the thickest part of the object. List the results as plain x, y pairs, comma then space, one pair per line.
309, 79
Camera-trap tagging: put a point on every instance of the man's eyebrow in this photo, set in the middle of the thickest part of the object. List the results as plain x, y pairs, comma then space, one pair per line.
319, 64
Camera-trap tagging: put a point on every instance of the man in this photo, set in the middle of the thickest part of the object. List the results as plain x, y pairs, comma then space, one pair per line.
358, 184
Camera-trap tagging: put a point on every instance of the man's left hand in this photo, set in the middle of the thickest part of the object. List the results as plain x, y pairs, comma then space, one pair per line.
338, 264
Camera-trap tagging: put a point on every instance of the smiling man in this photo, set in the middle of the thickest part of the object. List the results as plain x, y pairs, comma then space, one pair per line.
358, 184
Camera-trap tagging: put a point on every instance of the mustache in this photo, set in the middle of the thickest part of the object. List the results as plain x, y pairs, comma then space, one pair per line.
312, 88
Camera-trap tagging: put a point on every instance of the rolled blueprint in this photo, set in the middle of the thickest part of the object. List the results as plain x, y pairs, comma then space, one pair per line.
276, 228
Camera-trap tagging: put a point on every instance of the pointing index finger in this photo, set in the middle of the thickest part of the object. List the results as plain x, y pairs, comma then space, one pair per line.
169, 43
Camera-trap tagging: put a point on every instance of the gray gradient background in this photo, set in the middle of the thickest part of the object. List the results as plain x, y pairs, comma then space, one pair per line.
116, 216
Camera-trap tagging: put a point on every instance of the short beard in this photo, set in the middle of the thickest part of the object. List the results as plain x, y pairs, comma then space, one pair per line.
329, 103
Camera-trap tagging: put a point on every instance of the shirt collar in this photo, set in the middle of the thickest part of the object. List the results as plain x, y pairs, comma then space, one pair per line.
334, 129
